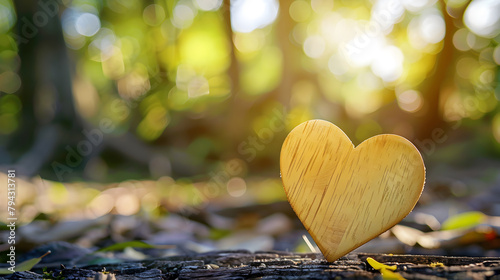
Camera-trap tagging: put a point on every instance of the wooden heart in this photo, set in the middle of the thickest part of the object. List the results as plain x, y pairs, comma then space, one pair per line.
346, 196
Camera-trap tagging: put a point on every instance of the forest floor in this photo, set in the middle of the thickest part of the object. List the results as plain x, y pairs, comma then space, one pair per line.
169, 229
241, 264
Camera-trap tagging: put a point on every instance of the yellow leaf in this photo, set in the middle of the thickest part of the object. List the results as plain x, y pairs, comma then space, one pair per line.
387, 274
378, 266
464, 220
385, 270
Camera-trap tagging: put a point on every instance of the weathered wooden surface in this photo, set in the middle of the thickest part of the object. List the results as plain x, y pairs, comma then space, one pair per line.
232, 265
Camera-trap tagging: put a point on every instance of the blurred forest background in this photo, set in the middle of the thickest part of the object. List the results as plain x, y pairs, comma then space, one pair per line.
153, 107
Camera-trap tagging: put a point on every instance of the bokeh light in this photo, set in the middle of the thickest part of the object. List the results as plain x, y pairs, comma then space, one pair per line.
388, 64
184, 14
127, 204
7, 17
300, 10
10, 82
101, 205
460, 39
314, 46
483, 17
87, 24
236, 187
153, 15
496, 55
209, 5
248, 15
410, 100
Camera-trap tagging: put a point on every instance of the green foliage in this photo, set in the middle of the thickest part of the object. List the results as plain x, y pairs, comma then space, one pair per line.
464, 220
176, 73
24, 266
216, 234
123, 245
52, 275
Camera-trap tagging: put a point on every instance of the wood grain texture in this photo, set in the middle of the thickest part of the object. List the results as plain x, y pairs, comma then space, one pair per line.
346, 196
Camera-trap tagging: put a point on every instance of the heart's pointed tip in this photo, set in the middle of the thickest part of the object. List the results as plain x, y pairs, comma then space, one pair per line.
331, 260
334, 257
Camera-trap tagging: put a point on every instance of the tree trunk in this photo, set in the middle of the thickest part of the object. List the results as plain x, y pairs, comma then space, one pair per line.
48, 113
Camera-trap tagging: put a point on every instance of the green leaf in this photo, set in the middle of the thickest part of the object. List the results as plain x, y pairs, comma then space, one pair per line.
216, 234
24, 266
123, 245
464, 220
5, 271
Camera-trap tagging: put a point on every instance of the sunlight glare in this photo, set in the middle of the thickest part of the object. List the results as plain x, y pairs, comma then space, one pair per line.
385, 13
208, 5
416, 6
362, 50
429, 28
483, 17
334, 29
432, 28
248, 15
388, 63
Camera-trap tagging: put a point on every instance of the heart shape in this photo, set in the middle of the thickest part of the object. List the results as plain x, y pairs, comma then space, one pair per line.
346, 196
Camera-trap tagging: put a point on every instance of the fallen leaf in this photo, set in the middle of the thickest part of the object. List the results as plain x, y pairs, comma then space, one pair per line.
24, 266
378, 266
464, 220
436, 264
386, 270
123, 245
